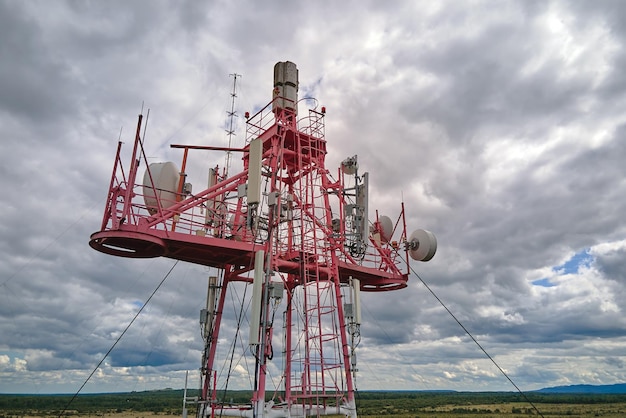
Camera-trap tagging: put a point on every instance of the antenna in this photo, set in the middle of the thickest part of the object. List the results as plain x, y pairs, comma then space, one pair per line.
422, 245
231, 116
306, 236
386, 228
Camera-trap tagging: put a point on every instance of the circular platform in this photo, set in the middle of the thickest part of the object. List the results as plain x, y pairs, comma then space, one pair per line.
127, 244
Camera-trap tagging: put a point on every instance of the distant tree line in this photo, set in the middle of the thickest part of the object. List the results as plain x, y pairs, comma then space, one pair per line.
169, 401
368, 403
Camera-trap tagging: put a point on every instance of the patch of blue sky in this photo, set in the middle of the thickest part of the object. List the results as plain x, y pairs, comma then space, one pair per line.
11, 354
573, 265
545, 282
309, 92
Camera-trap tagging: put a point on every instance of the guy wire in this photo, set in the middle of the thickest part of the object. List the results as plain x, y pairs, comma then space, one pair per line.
117, 340
476, 341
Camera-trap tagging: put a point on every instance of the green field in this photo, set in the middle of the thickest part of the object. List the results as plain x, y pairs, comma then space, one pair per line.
370, 404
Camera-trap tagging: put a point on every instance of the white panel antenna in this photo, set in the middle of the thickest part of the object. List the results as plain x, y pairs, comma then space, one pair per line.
362, 198
209, 215
257, 296
254, 171
356, 288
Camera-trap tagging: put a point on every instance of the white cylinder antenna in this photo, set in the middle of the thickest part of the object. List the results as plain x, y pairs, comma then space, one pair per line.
285, 86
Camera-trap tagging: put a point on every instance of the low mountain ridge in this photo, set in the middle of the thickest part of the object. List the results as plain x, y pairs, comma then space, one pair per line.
595, 389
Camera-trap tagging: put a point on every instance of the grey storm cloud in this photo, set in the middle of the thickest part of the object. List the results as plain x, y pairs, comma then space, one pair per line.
499, 125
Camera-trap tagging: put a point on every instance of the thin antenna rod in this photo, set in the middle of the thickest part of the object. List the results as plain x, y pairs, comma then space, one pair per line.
231, 115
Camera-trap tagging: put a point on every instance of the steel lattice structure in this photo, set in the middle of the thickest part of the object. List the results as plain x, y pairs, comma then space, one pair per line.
298, 235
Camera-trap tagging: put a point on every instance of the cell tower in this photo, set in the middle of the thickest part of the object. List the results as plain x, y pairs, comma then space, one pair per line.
303, 240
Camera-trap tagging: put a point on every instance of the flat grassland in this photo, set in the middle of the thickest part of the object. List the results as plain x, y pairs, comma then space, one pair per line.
168, 404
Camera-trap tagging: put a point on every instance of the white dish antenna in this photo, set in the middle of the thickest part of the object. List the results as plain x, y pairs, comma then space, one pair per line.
165, 181
350, 166
239, 227
386, 228
422, 245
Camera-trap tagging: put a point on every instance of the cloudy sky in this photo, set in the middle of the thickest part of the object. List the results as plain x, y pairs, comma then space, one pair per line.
500, 124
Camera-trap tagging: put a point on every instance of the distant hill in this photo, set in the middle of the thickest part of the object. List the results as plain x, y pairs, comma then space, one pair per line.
596, 389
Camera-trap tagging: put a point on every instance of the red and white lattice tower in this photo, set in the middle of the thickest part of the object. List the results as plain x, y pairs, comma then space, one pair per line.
298, 235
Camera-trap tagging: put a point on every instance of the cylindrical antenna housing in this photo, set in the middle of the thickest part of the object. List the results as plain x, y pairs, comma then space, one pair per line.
285, 87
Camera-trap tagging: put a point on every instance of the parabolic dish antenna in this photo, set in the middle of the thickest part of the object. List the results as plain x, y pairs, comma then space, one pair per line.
165, 180
350, 166
386, 228
422, 245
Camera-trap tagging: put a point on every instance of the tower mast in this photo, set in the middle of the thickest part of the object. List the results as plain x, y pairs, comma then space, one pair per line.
231, 121
285, 225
